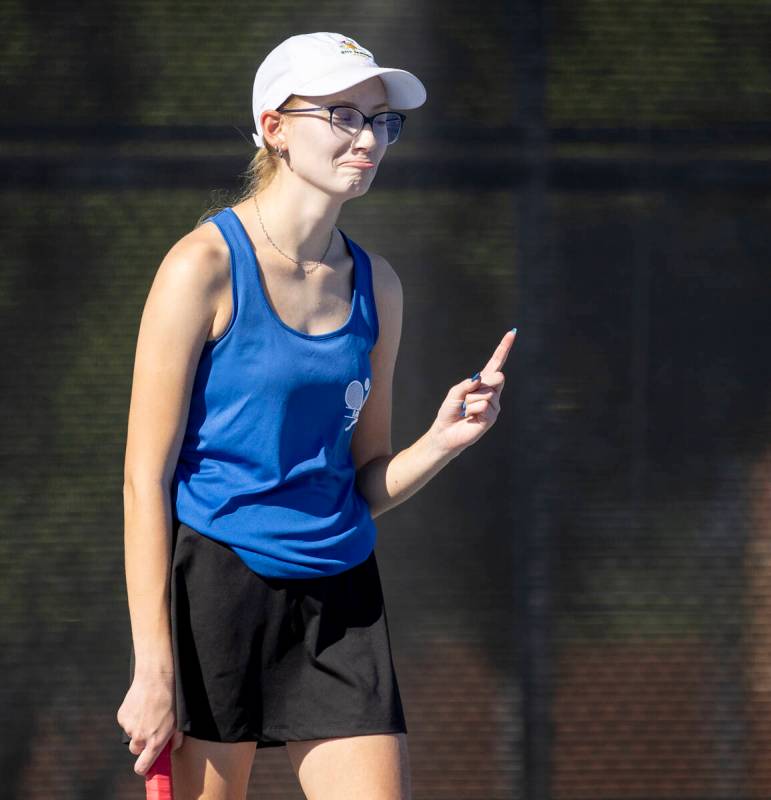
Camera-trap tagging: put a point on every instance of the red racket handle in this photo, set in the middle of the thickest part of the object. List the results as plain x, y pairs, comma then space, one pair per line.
158, 778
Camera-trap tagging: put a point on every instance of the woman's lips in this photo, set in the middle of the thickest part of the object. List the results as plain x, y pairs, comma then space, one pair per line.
359, 164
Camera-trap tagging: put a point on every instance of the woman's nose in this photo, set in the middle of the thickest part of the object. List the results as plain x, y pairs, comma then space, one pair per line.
366, 136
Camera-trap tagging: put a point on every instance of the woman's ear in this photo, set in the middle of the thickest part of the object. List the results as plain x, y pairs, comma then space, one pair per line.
271, 123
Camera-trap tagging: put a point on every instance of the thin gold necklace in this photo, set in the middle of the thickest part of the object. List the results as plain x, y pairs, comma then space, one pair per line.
299, 263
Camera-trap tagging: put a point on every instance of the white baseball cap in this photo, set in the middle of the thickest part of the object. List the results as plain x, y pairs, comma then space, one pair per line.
325, 63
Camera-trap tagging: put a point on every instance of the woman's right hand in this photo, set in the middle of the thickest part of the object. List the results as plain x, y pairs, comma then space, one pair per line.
148, 717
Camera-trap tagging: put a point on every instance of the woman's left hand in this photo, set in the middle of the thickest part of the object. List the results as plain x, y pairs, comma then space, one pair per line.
452, 432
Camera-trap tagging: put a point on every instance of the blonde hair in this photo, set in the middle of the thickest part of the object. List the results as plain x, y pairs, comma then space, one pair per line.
262, 169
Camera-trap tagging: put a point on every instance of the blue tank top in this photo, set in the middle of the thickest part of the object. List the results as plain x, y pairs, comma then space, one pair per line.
265, 466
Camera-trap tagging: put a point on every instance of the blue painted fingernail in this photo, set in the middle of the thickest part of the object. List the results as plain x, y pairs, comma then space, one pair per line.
514, 331
463, 409
474, 377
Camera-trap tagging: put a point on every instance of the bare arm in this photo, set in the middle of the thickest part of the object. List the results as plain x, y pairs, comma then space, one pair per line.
388, 481
175, 323
385, 480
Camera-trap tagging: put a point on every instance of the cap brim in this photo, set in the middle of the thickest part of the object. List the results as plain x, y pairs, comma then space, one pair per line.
405, 91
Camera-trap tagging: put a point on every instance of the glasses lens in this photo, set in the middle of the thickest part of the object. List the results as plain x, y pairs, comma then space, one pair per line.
347, 122
389, 125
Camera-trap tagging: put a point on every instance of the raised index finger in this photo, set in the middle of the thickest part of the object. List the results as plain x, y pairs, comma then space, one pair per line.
501, 353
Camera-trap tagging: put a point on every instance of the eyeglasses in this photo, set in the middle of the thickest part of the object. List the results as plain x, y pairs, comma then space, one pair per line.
346, 121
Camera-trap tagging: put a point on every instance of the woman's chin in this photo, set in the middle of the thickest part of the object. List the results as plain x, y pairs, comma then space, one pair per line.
357, 186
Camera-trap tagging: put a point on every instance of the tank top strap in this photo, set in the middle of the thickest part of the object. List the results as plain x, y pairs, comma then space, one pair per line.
243, 270
364, 286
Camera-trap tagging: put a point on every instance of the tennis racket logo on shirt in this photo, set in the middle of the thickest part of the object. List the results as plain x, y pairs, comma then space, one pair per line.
355, 397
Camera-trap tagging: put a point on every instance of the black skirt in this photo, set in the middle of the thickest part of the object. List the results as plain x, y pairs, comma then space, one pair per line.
272, 660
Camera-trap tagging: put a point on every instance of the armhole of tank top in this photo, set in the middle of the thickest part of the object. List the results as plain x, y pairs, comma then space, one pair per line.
233, 289
370, 291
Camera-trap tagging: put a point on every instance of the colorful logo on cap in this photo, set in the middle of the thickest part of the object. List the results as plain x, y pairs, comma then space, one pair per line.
349, 47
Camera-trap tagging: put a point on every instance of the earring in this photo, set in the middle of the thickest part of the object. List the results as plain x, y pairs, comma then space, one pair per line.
279, 152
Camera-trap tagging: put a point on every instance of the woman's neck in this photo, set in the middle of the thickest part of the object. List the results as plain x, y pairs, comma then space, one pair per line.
300, 224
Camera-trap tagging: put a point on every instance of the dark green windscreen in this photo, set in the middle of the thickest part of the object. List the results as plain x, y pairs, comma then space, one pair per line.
579, 603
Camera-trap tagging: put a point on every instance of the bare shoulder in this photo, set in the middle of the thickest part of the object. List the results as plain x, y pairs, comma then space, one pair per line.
195, 273
383, 273
389, 299
203, 255
387, 287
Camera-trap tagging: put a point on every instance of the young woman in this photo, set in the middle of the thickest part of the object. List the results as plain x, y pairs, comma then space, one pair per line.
259, 453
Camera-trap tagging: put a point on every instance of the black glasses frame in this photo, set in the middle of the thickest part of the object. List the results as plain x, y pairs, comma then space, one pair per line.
366, 120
